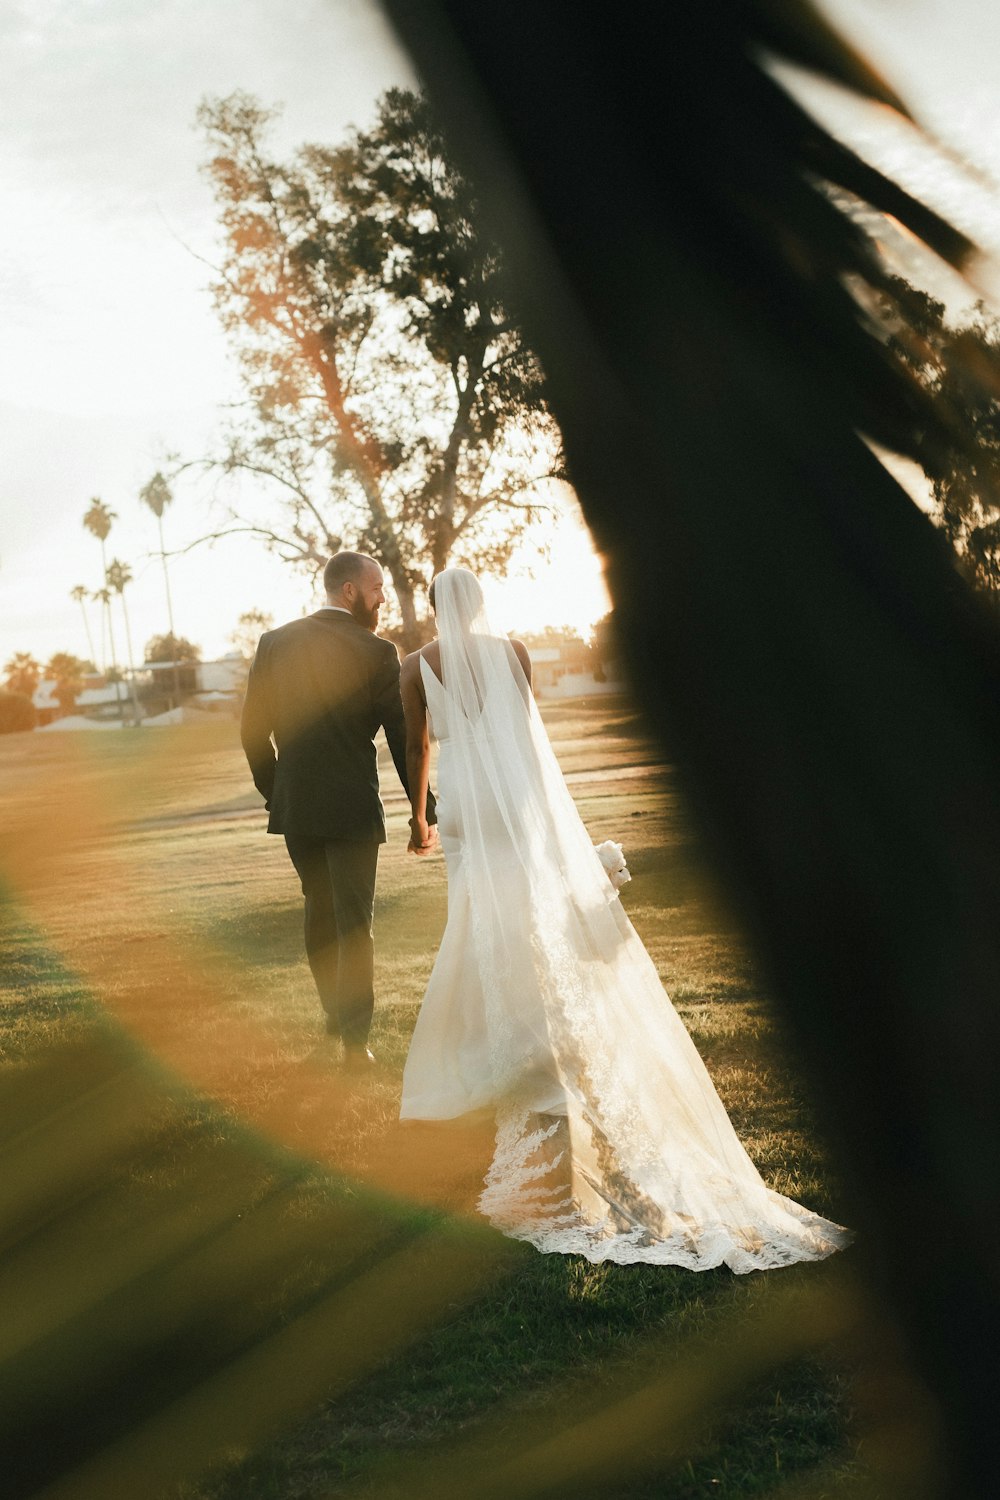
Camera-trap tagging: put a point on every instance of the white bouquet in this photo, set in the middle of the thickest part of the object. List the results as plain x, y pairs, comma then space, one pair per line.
612, 858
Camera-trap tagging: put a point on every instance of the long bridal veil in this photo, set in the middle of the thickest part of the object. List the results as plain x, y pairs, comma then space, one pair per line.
611, 1139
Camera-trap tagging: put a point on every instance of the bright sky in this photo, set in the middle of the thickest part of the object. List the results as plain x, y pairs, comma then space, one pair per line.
111, 353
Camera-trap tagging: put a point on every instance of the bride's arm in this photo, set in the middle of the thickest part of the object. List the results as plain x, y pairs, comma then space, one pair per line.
521, 652
418, 751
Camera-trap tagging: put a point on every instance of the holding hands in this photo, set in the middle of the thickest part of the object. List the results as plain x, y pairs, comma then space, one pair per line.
422, 837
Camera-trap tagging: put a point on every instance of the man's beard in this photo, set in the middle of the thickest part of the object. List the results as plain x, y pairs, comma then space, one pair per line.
366, 615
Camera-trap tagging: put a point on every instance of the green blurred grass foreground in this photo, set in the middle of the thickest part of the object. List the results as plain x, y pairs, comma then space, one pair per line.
233, 1274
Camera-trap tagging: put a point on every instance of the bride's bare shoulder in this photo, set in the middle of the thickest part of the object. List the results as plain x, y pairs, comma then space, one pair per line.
521, 652
410, 669
411, 662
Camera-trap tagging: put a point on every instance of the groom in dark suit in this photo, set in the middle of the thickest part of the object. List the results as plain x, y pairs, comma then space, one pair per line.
322, 686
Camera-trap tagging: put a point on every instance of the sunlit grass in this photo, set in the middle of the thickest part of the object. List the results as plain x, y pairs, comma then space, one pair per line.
170, 914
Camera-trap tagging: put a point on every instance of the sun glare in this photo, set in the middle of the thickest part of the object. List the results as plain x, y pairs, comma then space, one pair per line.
115, 355
566, 587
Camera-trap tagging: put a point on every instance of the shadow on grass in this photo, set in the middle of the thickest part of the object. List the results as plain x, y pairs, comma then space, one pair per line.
552, 1326
271, 931
244, 802
269, 934
40, 999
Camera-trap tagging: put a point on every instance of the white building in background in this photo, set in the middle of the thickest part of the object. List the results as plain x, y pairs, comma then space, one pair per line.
582, 685
561, 670
100, 701
228, 674
45, 700
203, 683
212, 686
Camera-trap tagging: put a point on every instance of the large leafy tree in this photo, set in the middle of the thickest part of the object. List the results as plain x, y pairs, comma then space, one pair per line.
392, 401
958, 363
161, 648
181, 654
250, 626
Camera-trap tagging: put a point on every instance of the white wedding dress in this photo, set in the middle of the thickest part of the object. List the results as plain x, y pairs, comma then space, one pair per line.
544, 1006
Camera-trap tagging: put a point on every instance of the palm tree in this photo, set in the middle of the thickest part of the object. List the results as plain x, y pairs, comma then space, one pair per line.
119, 574
68, 673
79, 593
111, 672
22, 674
157, 494
98, 520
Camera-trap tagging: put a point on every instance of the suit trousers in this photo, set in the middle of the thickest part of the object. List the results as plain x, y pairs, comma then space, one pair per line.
338, 883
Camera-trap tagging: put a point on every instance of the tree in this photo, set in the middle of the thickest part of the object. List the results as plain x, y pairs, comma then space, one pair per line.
22, 674
181, 653
68, 673
157, 495
959, 364
98, 520
164, 648
249, 628
79, 594
112, 672
119, 575
392, 400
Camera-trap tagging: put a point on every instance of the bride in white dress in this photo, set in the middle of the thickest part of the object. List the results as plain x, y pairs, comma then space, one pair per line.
544, 1006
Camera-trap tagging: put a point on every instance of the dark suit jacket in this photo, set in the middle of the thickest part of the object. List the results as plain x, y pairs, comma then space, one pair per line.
322, 686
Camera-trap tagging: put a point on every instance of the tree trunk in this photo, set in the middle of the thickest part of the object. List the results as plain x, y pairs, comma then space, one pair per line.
131, 664
361, 456
444, 540
175, 700
90, 639
111, 633
412, 636
457, 439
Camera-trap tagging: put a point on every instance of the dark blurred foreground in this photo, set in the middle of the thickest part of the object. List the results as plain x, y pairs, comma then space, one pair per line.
798, 633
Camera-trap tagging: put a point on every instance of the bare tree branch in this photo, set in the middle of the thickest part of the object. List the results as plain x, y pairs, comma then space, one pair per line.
299, 553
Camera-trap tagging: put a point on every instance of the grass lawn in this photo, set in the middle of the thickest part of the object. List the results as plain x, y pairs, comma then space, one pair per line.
228, 1260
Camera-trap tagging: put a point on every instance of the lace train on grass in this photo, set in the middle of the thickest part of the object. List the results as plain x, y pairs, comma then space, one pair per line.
612, 1142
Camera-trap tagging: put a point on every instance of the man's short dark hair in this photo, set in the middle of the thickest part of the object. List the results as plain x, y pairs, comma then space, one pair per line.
344, 567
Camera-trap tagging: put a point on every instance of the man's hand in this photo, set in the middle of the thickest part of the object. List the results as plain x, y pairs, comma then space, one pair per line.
422, 837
